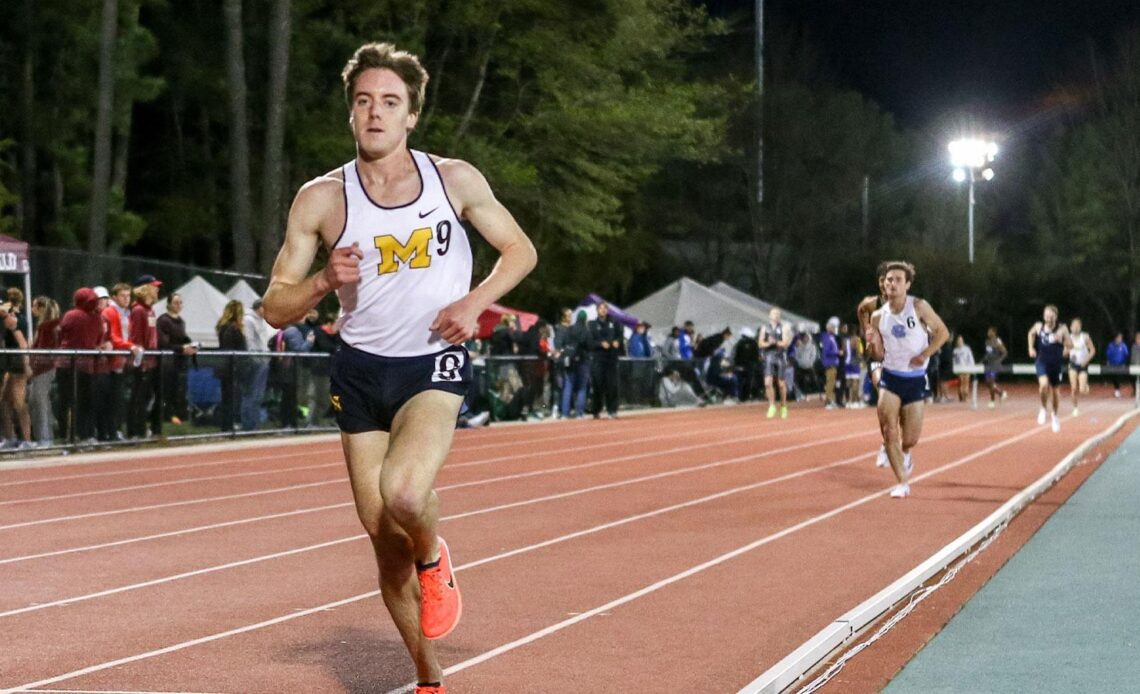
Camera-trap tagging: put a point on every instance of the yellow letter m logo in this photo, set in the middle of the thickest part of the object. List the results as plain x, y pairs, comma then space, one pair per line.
415, 253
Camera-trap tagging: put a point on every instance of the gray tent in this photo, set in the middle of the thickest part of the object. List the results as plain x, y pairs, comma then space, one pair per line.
687, 299
800, 323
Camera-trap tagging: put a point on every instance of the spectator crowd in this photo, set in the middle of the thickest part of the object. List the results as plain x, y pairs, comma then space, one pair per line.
119, 372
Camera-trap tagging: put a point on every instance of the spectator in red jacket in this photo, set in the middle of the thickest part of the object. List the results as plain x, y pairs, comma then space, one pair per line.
143, 405
112, 387
81, 328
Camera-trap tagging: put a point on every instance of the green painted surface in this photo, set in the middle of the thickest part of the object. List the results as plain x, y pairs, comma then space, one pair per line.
1064, 614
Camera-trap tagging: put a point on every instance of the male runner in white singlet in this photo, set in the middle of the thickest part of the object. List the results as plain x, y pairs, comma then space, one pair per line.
401, 266
1081, 352
907, 331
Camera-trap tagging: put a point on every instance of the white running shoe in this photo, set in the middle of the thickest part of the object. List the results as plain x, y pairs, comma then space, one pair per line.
908, 464
1056, 424
1041, 416
991, 404
902, 491
883, 460
1076, 412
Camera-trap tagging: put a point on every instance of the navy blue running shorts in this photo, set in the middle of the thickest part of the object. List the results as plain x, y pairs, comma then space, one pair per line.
367, 390
908, 388
1054, 370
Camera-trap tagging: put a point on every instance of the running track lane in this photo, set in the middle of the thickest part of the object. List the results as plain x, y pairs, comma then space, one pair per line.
836, 565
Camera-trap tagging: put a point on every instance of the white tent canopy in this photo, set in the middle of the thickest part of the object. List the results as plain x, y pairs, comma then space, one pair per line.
711, 311
243, 293
247, 295
686, 300
202, 306
800, 323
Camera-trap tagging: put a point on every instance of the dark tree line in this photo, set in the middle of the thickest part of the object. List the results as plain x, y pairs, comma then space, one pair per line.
621, 133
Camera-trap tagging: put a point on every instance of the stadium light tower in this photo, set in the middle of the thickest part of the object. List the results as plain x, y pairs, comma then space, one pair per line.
971, 157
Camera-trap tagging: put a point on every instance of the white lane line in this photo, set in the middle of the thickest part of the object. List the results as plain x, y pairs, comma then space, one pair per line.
175, 533
164, 468
490, 480
170, 504
171, 483
340, 462
322, 545
149, 459
537, 500
187, 644
620, 442
342, 479
277, 620
177, 577
716, 561
220, 525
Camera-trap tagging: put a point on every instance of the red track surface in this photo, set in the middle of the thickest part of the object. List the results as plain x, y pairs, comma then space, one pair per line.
683, 551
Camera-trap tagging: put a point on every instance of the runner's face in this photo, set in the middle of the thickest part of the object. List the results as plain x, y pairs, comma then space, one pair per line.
895, 284
1050, 317
1075, 326
380, 119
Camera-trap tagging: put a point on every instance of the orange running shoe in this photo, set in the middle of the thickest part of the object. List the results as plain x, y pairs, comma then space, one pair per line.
440, 604
431, 689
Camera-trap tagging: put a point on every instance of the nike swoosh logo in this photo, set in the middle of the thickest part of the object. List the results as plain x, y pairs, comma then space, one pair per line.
424, 214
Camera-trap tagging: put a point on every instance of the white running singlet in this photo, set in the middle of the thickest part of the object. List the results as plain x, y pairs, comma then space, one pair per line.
1080, 350
417, 260
904, 337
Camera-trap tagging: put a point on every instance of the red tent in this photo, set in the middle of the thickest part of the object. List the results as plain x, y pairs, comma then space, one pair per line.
491, 317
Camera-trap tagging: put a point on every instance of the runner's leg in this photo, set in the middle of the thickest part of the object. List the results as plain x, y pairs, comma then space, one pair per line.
394, 551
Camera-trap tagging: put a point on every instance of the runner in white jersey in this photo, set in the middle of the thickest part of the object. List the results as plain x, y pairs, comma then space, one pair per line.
1081, 352
907, 331
401, 266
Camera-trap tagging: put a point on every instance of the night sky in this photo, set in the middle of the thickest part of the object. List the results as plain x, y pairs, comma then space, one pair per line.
925, 61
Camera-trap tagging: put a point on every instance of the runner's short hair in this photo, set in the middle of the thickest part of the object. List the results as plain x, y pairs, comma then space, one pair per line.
906, 268
385, 55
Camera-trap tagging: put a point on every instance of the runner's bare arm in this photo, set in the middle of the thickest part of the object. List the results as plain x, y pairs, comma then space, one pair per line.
787, 341
864, 311
1033, 339
471, 195
938, 331
1092, 349
292, 291
874, 338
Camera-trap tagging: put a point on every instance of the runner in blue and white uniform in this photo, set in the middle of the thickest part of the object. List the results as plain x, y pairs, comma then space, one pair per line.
1081, 352
907, 331
1047, 341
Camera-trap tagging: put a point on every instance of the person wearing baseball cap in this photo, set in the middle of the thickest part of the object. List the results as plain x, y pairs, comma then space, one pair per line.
142, 280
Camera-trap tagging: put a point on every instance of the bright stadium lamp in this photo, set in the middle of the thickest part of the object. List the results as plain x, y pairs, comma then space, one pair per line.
971, 157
